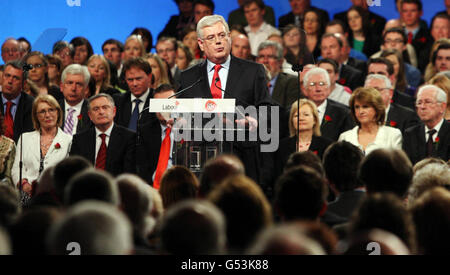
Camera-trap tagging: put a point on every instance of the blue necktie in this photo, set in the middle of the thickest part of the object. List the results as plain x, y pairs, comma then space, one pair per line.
135, 116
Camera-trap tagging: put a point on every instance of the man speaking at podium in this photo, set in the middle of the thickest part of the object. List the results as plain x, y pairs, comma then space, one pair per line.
222, 75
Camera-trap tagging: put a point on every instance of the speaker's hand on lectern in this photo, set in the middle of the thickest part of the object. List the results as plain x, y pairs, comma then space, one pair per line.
249, 121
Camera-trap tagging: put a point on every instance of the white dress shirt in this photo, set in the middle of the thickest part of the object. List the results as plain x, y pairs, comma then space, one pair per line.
75, 114
143, 99
340, 95
437, 128
98, 139
259, 36
223, 73
387, 137
321, 110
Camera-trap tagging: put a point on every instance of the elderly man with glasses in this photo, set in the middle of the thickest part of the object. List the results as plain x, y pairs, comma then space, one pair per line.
431, 138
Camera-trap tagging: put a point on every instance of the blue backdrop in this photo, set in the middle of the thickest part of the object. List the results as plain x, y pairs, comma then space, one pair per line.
99, 20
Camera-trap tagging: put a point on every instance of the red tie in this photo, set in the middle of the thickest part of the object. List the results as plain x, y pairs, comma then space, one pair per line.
9, 122
164, 154
216, 86
410, 37
100, 163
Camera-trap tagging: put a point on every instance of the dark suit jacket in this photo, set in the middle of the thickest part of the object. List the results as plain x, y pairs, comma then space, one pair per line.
422, 43
173, 28
404, 100
22, 118
401, 117
351, 77
147, 149
337, 119
85, 122
289, 18
285, 91
123, 112
357, 64
274, 163
414, 143
376, 21
247, 83
346, 203
287, 147
121, 152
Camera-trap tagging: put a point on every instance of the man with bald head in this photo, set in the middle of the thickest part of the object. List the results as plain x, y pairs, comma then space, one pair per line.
240, 47
431, 138
10, 50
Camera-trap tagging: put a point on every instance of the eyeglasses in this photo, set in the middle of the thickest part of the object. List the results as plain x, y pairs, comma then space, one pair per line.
214, 39
37, 66
320, 83
51, 111
426, 103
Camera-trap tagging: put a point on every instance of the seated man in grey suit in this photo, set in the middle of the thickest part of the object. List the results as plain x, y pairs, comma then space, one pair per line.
282, 87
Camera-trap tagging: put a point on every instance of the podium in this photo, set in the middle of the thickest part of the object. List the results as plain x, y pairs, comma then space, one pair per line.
201, 128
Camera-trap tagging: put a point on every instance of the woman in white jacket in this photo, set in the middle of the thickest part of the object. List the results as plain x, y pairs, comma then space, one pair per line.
45, 146
369, 113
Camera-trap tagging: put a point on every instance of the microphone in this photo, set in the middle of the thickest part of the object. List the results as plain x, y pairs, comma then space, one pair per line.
297, 67
237, 109
27, 67
187, 88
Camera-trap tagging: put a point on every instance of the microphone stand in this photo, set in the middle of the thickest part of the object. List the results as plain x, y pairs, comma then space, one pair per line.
25, 69
298, 68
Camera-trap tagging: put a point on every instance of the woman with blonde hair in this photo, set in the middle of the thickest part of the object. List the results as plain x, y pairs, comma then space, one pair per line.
368, 111
99, 70
304, 135
44, 147
159, 70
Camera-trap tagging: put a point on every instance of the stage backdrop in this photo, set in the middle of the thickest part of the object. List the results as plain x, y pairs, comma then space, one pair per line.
98, 20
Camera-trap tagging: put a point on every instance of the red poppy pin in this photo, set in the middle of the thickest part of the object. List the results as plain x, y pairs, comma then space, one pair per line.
80, 117
315, 152
393, 123
422, 39
373, 21
342, 81
57, 146
436, 140
392, 101
327, 118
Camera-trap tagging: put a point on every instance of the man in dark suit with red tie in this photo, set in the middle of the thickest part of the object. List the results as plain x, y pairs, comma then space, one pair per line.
431, 138
155, 143
225, 76
16, 104
108, 146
